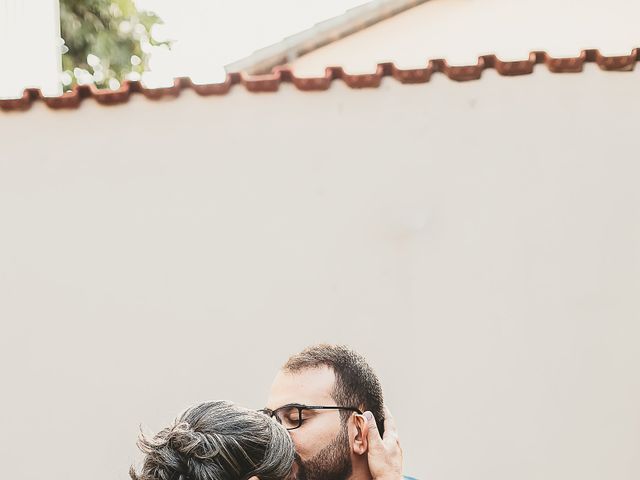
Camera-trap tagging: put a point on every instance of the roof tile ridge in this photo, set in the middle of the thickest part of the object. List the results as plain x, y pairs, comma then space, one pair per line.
285, 74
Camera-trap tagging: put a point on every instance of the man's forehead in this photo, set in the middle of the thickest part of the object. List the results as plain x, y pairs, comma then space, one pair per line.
309, 386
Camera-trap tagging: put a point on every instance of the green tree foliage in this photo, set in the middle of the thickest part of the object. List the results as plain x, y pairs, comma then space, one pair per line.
105, 41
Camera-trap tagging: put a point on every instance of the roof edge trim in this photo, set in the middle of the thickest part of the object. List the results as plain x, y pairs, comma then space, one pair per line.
272, 81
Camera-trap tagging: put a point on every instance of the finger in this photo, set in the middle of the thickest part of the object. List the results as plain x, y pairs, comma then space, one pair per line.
374, 434
389, 423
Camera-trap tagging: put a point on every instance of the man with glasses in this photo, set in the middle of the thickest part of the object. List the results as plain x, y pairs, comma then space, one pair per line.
331, 402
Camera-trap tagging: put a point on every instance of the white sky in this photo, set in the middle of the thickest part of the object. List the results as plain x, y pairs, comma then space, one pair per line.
209, 34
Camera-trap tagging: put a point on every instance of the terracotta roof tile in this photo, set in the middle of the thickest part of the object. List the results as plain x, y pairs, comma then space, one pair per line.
271, 82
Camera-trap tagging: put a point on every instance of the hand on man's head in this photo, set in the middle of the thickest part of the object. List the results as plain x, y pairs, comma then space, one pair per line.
384, 453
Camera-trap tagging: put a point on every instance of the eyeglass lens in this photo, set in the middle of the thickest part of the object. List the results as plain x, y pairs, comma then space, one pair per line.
289, 417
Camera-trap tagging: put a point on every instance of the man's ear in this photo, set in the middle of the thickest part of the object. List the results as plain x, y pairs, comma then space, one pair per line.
361, 440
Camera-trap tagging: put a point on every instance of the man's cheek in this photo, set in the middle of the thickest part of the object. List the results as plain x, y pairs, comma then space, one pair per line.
298, 443
302, 451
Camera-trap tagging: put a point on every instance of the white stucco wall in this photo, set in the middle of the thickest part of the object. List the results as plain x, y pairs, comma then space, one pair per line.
460, 30
29, 47
478, 242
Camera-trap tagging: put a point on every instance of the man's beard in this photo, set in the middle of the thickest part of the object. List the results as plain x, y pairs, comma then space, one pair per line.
333, 462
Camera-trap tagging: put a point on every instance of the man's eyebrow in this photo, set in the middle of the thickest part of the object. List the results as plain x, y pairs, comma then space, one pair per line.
294, 404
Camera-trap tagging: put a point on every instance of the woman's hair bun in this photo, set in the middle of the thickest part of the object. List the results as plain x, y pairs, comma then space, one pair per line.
217, 441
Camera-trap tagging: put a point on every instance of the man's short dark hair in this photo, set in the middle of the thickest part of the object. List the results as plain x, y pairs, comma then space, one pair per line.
356, 385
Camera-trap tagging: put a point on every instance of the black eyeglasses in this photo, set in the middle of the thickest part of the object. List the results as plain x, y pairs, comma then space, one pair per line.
290, 415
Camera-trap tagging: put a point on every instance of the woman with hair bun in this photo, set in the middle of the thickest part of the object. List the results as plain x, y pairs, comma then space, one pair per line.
217, 441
